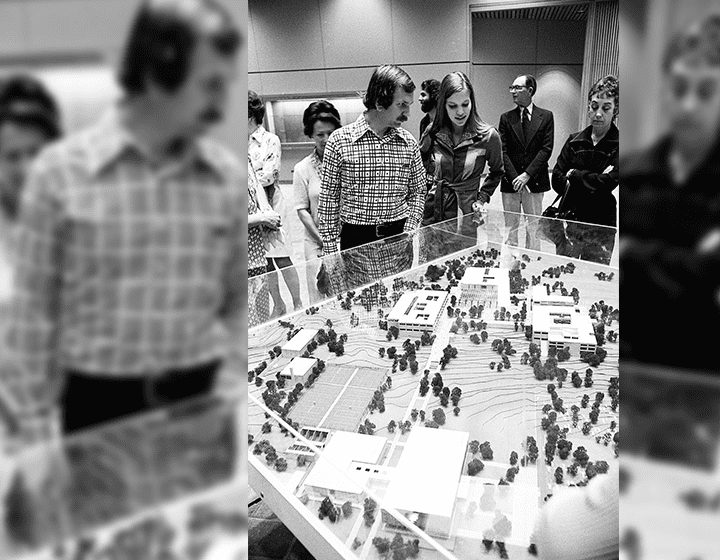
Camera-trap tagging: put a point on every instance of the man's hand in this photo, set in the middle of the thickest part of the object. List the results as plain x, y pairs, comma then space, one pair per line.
520, 181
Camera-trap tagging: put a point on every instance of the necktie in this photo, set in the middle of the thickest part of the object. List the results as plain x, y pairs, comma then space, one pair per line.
526, 124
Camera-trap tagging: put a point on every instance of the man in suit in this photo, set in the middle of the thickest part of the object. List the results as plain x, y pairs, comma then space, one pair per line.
527, 134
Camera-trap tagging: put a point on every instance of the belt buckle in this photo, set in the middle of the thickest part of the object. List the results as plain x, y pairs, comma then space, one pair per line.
377, 230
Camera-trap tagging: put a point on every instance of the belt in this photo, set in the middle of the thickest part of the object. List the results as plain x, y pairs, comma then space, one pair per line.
386, 229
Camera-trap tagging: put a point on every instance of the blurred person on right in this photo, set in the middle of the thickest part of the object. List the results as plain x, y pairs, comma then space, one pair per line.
586, 174
670, 215
131, 233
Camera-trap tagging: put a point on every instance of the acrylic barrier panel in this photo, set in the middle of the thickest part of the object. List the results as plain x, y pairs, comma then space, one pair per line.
670, 475
66, 490
510, 355
351, 269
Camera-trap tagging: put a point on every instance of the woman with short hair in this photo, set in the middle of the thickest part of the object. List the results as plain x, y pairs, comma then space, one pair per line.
587, 172
320, 120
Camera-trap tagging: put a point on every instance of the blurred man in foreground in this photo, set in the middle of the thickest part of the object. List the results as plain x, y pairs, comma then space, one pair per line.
132, 236
670, 216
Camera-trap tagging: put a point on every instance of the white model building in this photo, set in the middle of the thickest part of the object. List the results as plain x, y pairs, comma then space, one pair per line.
298, 370
541, 295
427, 476
489, 287
418, 311
298, 343
341, 470
561, 326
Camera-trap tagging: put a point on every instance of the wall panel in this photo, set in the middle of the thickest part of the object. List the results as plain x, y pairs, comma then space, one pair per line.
13, 29
436, 32
356, 33
287, 34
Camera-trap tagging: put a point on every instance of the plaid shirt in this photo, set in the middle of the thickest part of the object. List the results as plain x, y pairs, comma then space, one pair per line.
123, 269
369, 180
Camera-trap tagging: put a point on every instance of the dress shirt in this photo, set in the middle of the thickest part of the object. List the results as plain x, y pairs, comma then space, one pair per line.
126, 267
529, 111
369, 180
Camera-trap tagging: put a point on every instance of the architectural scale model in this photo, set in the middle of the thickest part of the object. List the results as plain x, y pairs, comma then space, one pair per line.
463, 423
298, 343
418, 311
489, 287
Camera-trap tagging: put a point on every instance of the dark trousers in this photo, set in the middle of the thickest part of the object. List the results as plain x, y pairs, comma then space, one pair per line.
90, 399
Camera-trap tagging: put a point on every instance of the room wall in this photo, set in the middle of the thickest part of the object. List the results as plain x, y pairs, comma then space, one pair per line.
45, 33
504, 48
319, 47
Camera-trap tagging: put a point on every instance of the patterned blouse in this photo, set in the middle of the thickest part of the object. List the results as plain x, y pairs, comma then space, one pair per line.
256, 248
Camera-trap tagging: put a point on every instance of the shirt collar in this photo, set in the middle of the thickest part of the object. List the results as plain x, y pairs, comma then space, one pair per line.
361, 128
529, 108
258, 134
111, 140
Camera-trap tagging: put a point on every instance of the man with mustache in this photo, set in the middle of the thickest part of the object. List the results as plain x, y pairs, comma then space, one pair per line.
670, 215
132, 234
373, 182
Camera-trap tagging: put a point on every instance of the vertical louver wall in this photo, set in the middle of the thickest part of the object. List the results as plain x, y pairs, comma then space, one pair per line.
601, 46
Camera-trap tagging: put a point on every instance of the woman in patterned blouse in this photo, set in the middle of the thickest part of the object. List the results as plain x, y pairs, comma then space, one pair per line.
261, 220
320, 120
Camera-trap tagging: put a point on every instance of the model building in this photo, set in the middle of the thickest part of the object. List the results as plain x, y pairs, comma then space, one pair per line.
418, 311
489, 287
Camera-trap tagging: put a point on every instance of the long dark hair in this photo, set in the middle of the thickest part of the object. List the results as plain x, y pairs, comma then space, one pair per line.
451, 84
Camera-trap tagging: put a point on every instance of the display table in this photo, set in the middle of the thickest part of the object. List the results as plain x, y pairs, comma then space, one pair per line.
410, 429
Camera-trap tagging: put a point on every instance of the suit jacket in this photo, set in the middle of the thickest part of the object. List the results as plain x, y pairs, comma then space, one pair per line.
531, 156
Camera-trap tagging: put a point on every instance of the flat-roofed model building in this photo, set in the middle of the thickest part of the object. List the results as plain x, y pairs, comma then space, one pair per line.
298, 343
427, 476
489, 287
541, 295
418, 311
562, 326
298, 370
340, 472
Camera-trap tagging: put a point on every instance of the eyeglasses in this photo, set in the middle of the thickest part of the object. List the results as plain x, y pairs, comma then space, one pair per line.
516, 88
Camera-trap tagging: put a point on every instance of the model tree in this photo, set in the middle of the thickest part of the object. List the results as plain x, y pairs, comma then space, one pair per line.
581, 456
369, 507
559, 475
381, 544
391, 426
564, 448
474, 446
486, 451
280, 464
439, 416
475, 466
